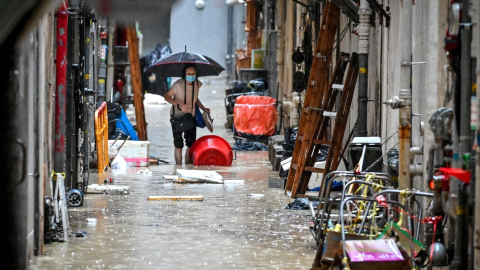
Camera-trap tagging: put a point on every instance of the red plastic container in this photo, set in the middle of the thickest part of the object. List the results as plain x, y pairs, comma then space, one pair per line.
256, 115
211, 150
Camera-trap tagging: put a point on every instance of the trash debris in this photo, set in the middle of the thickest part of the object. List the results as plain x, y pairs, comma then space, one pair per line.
198, 176
145, 172
91, 220
119, 163
79, 234
176, 198
170, 177
243, 145
300, 204
108, 180
109, 189
256, 196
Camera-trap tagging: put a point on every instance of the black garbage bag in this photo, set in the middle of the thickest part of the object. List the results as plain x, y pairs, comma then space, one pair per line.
290, 135
300, 204
242, 145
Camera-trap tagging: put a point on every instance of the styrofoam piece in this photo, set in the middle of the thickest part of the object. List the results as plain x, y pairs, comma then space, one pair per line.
286, 163
200, 176
109, 189
91, 220
145, 172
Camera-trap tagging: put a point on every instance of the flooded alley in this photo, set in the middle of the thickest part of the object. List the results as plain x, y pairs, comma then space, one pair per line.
237, 226
240, 134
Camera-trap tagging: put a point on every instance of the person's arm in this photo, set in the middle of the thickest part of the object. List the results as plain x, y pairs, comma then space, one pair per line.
168, 98
200, 105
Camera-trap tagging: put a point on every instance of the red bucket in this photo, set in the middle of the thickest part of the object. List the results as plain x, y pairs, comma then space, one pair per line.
211, 150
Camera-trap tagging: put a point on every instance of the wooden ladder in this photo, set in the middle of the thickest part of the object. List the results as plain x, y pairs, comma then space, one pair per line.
318, 108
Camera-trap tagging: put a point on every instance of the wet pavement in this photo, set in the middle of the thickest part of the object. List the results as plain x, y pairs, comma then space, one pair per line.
230, 229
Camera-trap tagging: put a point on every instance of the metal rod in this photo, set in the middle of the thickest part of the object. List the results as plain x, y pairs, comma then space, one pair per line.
358, 198
118, 149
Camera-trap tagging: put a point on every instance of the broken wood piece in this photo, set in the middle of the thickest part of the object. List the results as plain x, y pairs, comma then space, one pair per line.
176, 198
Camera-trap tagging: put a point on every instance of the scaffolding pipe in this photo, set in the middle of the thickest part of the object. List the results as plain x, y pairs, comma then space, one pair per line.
363, 41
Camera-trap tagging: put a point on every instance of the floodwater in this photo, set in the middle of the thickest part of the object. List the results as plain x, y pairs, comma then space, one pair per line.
229, 229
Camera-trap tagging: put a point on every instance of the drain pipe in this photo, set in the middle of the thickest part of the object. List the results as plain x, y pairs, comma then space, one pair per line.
405, 120
280, 47
294, 116
363, 34
476, 194
460, 258
60, 88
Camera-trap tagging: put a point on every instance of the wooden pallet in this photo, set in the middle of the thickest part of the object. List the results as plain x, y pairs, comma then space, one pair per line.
319, 103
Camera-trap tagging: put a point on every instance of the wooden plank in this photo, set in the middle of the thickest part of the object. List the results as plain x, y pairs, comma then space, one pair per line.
175, 198
136, 83
322, 142
314, 169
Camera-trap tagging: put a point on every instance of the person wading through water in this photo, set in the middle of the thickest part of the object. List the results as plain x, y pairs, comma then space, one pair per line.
183, 95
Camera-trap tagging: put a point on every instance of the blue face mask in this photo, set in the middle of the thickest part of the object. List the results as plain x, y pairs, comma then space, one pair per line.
190, 78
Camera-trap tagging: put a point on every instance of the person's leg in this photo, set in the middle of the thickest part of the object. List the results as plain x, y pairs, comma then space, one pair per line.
178, 156
190, 137
188, 159
178, 143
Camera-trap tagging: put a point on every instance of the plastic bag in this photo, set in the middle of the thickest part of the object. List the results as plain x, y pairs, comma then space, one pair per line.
255, 115
119, 163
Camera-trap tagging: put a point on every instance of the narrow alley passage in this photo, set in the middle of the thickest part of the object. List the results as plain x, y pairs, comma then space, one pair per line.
230, 229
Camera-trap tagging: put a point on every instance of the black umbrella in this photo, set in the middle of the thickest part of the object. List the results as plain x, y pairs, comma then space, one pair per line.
172, 65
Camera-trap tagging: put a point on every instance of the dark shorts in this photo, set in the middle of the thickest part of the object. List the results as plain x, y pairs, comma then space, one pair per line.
189, 136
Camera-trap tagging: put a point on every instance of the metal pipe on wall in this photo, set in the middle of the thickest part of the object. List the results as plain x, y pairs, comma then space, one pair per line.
476, 229
289, 38
363, 42
405, 120
281, 46
110, 61
460, 259
230, 57
70, 133
61, 87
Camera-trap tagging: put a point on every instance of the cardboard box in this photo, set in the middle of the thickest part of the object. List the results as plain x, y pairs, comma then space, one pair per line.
136, 153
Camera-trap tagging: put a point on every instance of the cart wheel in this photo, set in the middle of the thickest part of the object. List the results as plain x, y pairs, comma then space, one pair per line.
75, 198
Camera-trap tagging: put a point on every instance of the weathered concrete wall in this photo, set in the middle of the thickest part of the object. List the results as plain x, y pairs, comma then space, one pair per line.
202, 31
429, 20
